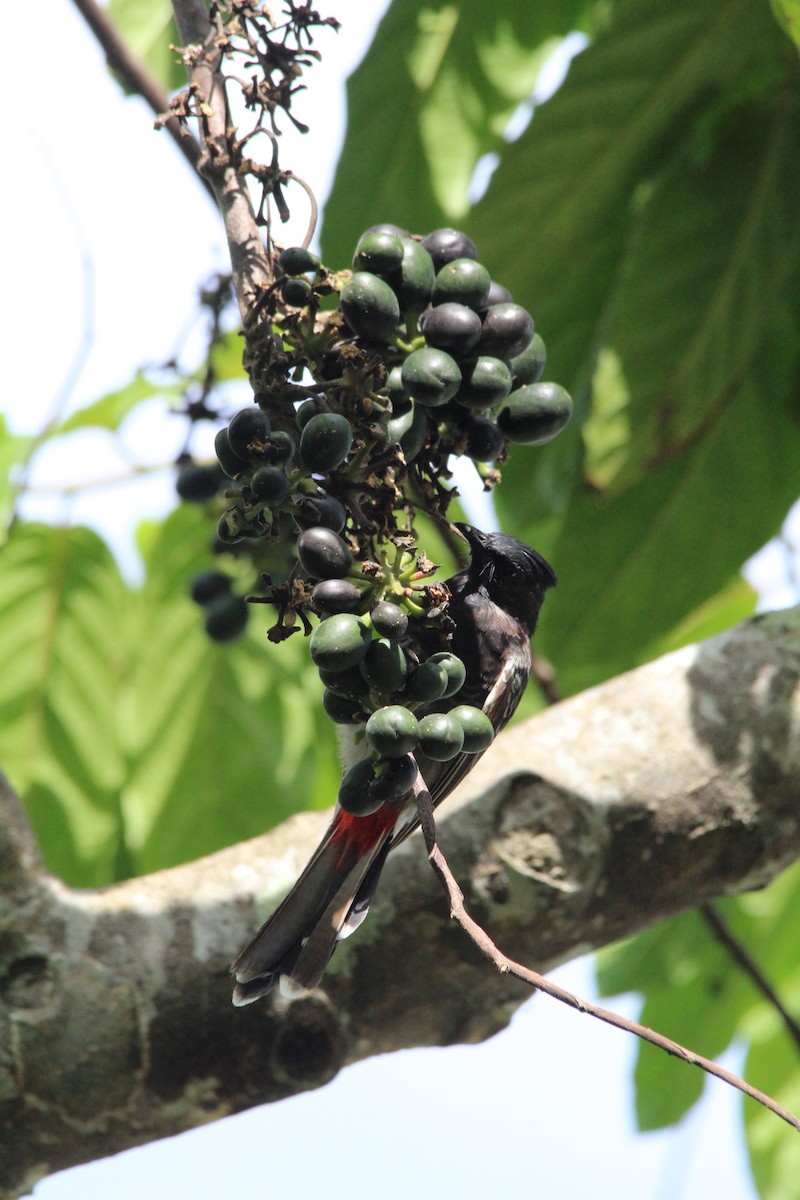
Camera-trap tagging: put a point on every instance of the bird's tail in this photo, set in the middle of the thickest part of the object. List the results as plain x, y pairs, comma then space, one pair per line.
329, 901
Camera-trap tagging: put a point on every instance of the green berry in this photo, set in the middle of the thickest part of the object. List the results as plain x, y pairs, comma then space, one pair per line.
305, 411
413, 282
462, 281
349, 684
339, 642
535, 414
453, 668
378, 252
384, 667
325, 442
197, 482
441, 737
296, 292
485, 382
392, 731
478, 731
427, 682
340, 710
528, 367
354, 794
431, 376
296, 260
370, 307
389, 620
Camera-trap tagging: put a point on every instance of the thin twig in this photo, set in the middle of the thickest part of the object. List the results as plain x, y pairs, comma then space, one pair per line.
507, 966
737, 951
252, 272
138, 78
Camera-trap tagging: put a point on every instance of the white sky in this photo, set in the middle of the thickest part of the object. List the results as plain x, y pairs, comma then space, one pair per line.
544, 1109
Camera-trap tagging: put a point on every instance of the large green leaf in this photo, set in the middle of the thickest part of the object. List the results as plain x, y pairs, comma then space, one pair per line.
632, 567
224, 741
14, 450
136, 742
149, 28
63, 654
562, 209
696, 993
716, 247
111, 410
433, 95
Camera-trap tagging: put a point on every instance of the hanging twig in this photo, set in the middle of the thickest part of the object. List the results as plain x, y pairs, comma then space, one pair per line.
737, 951
139, 79
507, 966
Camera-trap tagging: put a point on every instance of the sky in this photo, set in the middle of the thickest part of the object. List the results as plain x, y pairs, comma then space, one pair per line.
545, 1108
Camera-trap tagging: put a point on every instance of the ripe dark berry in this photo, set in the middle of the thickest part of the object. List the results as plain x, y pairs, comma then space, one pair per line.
507, 330
335, 595
209, 584
231, 464
389, 620
323, 553
270, 486
248, 434
197, 482
444, 245
296, 292
320, 510
226, 617
452, 327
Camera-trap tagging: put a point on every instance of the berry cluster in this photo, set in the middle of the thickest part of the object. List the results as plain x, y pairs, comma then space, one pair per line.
368, 382
374, 677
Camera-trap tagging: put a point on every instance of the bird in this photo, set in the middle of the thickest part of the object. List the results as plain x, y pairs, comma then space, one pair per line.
494, 606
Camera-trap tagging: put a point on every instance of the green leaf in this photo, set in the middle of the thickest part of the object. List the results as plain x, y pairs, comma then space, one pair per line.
775, 1147
787, 14
14, 451
696, 993
444, 79
62, 659
711, 259
149, 29
727, 608
223, 741
562, 208
651, 558
110, 410
135, 742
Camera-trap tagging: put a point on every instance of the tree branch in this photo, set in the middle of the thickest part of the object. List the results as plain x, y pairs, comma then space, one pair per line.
252, 271
139, 79
651, 794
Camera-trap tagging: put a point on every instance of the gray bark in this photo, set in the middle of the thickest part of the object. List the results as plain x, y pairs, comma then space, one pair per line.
650, 794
